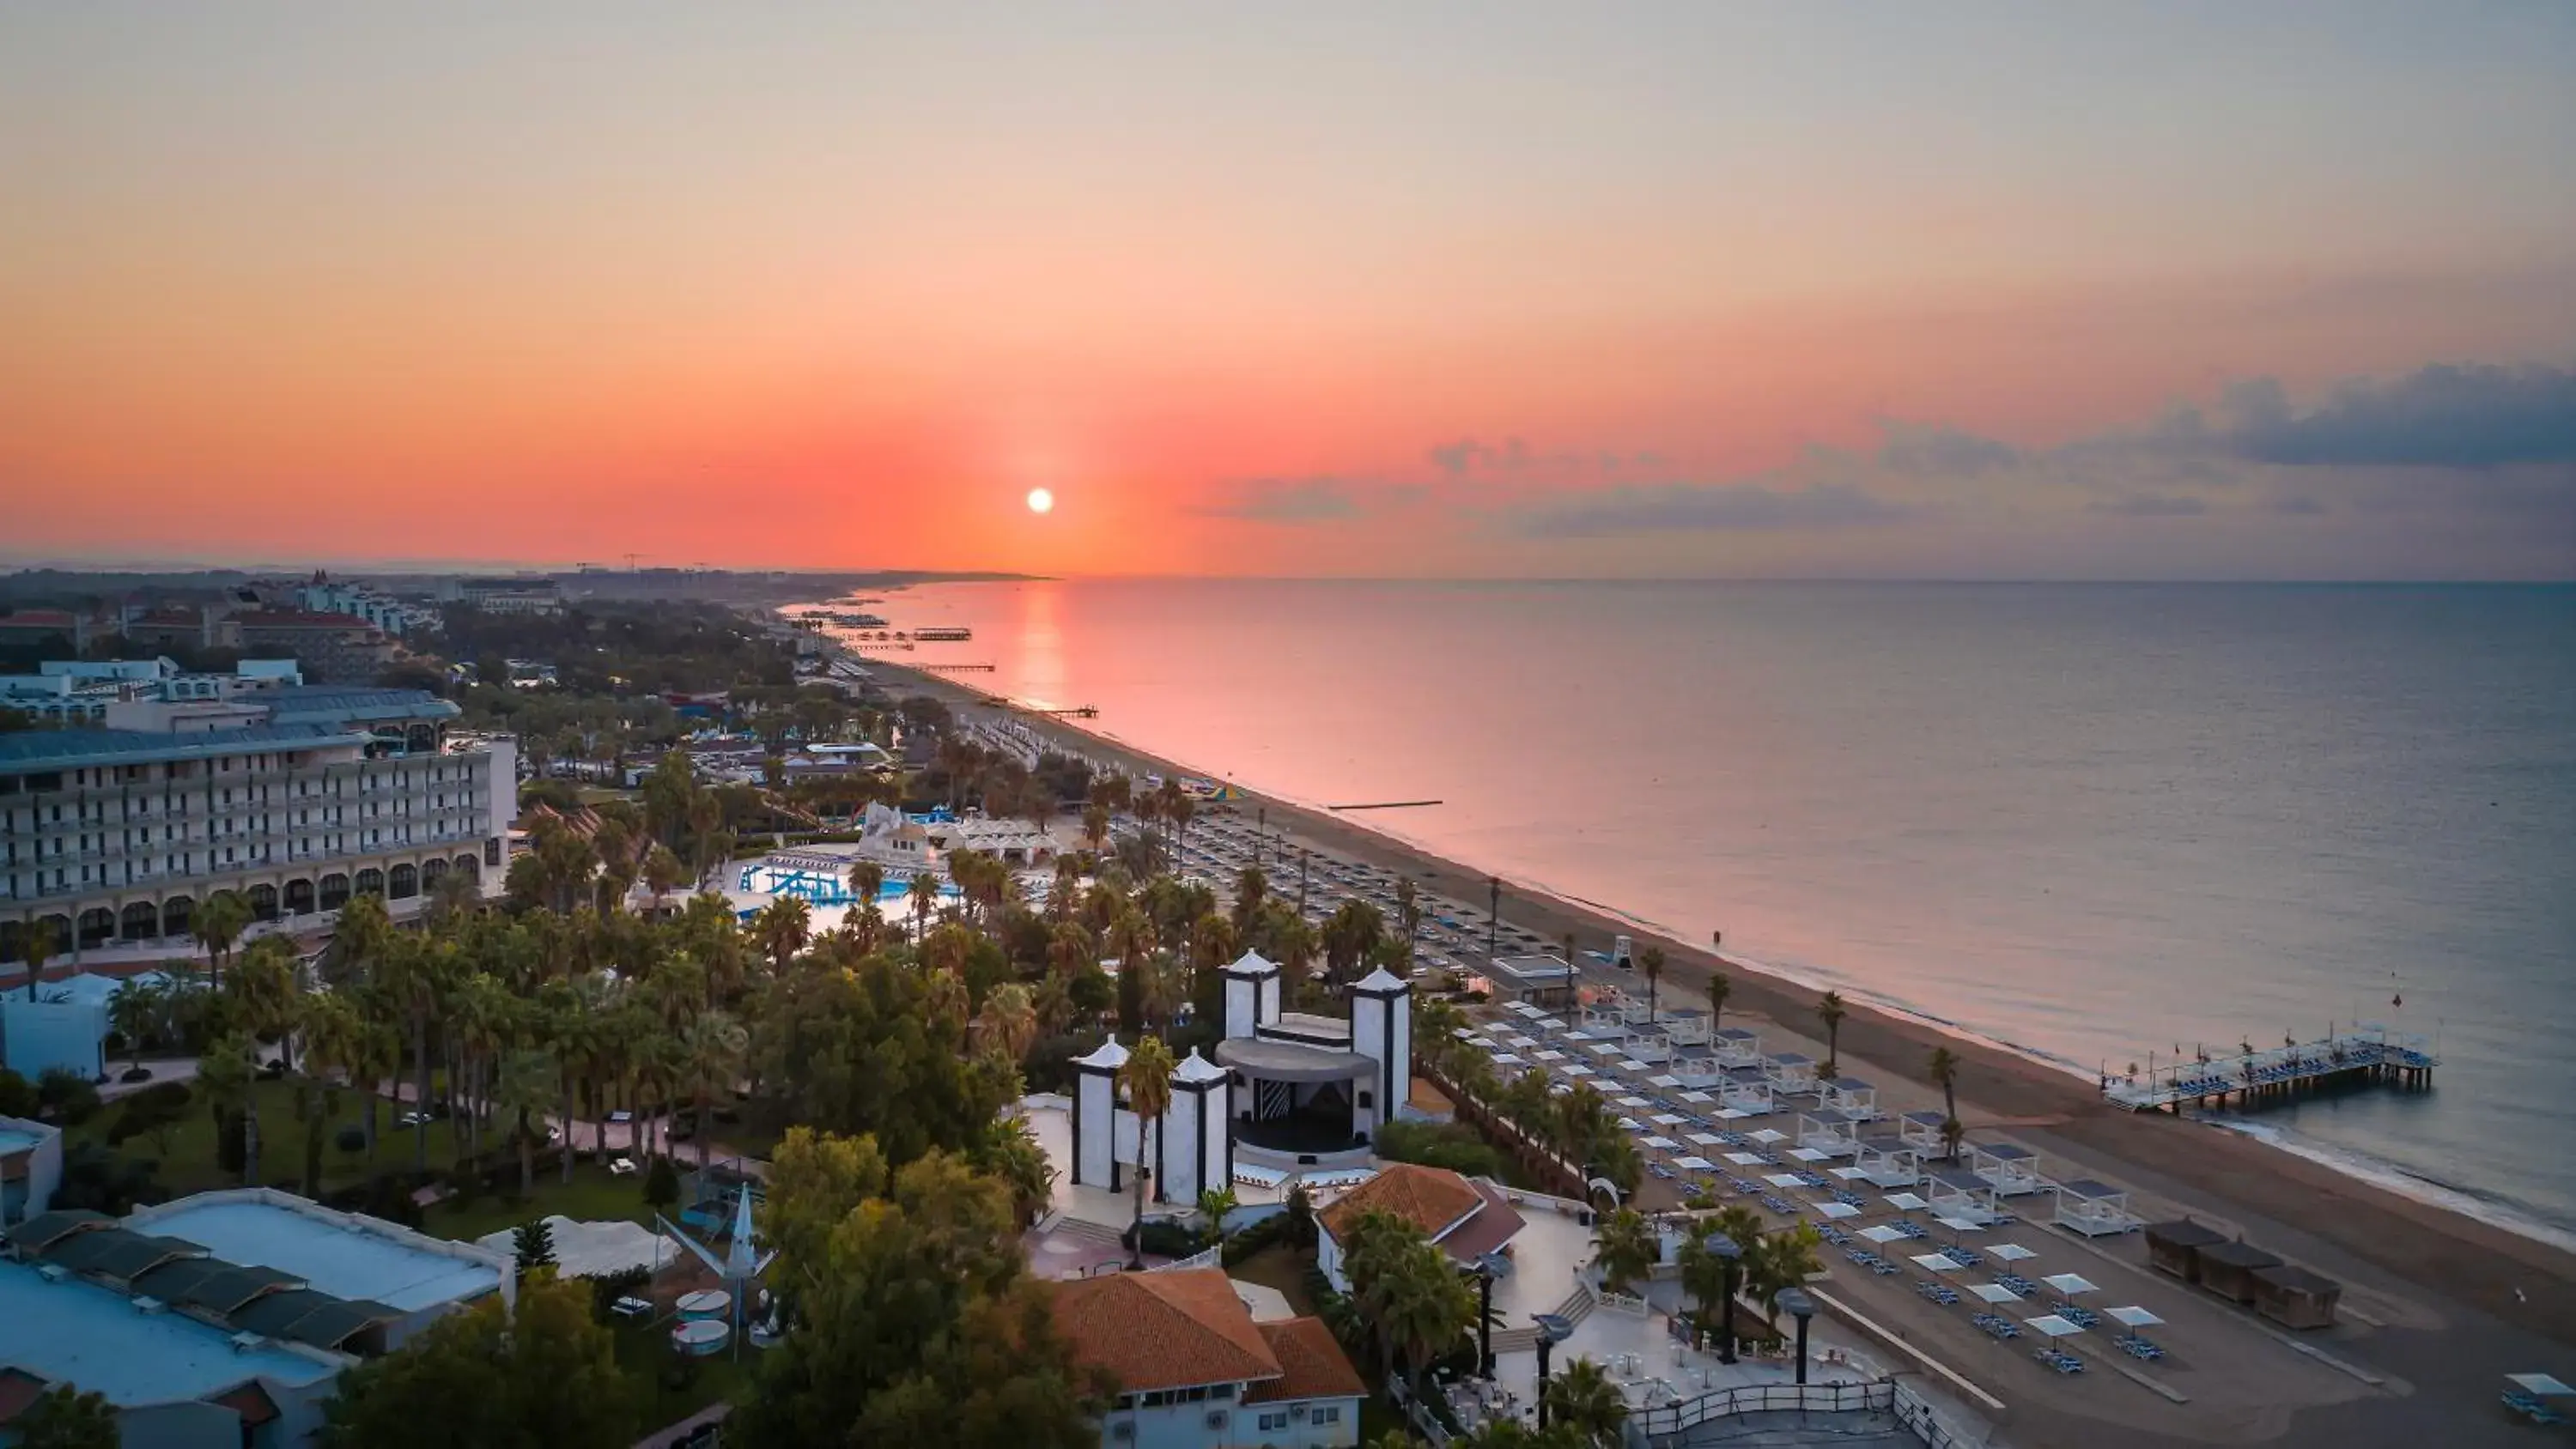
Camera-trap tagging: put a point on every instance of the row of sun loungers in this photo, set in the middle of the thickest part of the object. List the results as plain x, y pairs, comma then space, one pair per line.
2059, 1359
1997, 1326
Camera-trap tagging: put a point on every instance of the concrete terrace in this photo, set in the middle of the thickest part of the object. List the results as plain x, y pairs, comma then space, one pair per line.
336, 1253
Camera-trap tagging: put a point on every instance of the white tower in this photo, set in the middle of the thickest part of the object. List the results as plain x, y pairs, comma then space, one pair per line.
1251, 994
1382, 1031
1095, 1116
1191, 1143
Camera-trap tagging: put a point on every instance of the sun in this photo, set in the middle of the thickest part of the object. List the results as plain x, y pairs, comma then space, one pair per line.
1041, 501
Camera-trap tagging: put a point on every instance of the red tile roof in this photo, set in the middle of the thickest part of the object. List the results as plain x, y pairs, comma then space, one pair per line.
18, 1389
250, 1401
1311, 1364
1168, 1330
1430, 1198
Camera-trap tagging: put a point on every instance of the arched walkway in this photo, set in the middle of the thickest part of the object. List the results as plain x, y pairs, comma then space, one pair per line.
335, 891
263, 901
371, 882
468, 865
140, 921
299, 898
97, 927
430, 871
13, 940
405, 882
174, 915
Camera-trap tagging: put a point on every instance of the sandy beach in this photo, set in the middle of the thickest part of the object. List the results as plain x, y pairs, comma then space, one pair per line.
2443, 1304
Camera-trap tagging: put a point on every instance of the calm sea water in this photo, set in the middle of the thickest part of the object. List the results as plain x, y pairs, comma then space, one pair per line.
2092, 821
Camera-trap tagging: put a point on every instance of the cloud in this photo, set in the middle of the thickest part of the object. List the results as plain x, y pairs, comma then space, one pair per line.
2443, 416
1287, 500
1931, 449
2153, 505
1704, 507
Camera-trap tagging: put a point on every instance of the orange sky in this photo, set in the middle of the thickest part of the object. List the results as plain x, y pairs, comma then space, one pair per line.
824, 290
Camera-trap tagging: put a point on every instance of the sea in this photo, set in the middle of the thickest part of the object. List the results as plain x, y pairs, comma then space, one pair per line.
2098, 823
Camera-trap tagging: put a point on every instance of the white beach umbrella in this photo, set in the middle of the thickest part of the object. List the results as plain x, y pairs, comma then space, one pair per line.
1669, 1119
2135, 1317
1633, 1100
1695, 1095
1939, 1263
2011, 1252
1663, 1144
2054, 1326
1694, 1164
1962, 1225
2069, 1284
1847, 1174
1995, 1293
1905, 1202
1746, 1159
1881, 1233
1783, 1180
1767, 1135
1664, 1080
1837, 1210
1707, 1139
1807, 1154
1631, 1124
2547, 1386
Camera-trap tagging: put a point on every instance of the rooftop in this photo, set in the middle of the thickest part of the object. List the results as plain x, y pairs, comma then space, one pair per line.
32, 750
81, 1333
341, 1254
1164, 1330
1525, 969
1311, 1364
326, 704
1430, 1198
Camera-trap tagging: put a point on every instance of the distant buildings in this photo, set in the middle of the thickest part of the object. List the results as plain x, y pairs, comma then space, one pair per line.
1195, 1370
297, 797
223, 1319
78, 691
334, 648
505, 595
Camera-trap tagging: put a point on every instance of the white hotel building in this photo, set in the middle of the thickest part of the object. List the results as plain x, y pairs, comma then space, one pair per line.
298, 798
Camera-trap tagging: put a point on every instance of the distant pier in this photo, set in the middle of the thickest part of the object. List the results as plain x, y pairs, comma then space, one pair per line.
952, 668
1386, 805
2367, 1054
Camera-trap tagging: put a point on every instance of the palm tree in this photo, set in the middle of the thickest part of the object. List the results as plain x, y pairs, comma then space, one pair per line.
925, 894
521, 1093
1147, 1076
1651, 962
331, 1028
713, 1048
867, 882
219, 923
1625, 1248
1831, 1011
135, 1012
262, 994
227, 1074
663, 873
1095, 826
783, 927
1779, 1262
1720, 987
1707, 1278
1953, 1132
39, 950
414, 973
1945, 1071
1584, 1400
1011, 1019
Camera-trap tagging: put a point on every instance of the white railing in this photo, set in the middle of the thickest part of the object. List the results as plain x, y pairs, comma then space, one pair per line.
1628, 1303
1760, 1398
1210, 1258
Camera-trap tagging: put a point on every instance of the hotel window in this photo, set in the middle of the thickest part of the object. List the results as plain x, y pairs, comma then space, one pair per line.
1327, 1414
1273, 1423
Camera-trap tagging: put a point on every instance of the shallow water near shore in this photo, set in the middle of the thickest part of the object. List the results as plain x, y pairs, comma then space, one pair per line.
2093, 821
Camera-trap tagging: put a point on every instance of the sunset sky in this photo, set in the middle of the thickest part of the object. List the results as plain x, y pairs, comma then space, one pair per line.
2042, 290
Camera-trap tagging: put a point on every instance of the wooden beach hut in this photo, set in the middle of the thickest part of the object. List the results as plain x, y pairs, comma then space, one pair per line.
2174, 1247
2228, 1268
2293, 1297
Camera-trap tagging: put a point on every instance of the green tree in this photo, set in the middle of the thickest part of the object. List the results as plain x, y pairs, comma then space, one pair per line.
1944, 1071
1583, 1400
544, 1377
1624, 1244
1720, 987
63, 1417
1831, 1011
1779, 1262
219, 923
136, 1012
1147, 1076
533, 1244
227, 1074
39, 950
521, 1094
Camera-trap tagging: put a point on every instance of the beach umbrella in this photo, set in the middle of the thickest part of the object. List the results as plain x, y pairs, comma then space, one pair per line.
1669, 1119
1664, 1080
1807, 1154
1747, 1159
1577, 1069
1663, 1144
1633, 1100
1961, 1225
1783, 1181
1694, 1164
1939, 1263
2135, 1317
2069, 1284
1631, 1124
1769, 1135
2054, 1326
1697, 1096
1847, 1174
1707, 1139
1995, 1293
2547, 1386
1905, 1202
2011, 1252
1837, 1210
1881, 1233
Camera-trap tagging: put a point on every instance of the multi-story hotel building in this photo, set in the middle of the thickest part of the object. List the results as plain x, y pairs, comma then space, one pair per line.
297, 798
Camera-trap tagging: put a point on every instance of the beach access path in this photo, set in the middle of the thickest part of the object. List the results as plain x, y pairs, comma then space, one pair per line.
2452, 1302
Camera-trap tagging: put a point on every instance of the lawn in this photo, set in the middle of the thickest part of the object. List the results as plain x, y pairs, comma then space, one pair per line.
644, 1352
593, 1195
1282, 1267
188, 1165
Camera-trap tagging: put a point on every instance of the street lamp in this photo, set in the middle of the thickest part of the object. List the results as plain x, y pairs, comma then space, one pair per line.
1802, 1308
1488, 1267
1553, 1329
1730, 1253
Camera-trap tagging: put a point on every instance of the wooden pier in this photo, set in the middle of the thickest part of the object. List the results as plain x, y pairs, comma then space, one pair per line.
2367, 1054
951, 668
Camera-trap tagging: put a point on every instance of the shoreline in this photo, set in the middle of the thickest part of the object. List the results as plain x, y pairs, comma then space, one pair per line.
2242, 1178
